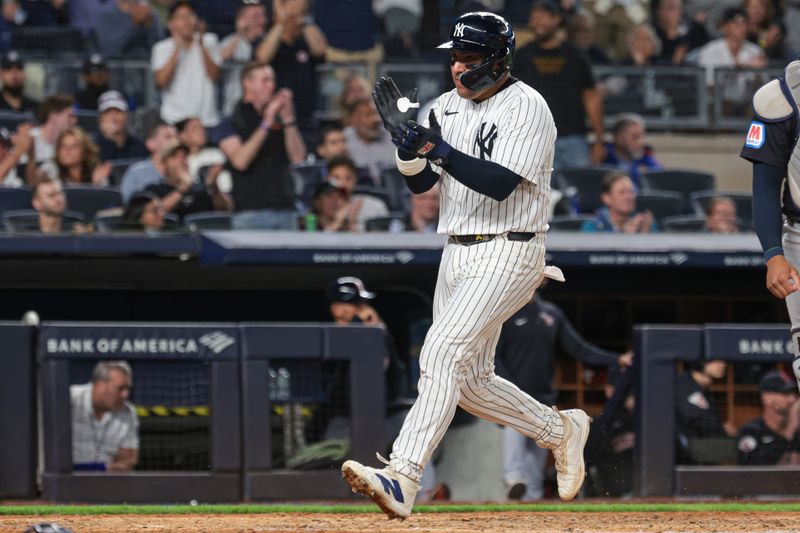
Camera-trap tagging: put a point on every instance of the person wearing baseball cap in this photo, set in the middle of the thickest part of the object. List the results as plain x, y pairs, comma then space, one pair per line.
350, 301
113, 138
95, 81
773, 437
12, 75
179, 192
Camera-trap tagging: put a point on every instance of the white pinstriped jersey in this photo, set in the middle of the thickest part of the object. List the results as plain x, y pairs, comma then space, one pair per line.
513, 128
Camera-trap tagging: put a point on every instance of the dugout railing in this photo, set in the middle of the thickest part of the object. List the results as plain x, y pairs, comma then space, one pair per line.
220, 381
658, 348
327, 362
65, 347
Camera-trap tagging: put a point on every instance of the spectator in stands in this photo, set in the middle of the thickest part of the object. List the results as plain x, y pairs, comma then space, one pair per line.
329, 206
219, 17
105, 428
562, 75
95, 82
732, 49
700, 430
401, 21
238, 48
672, 28
260, 139
54, 115
721, 215
40, 13
644, 47
354, 88
370, 145
12, 75
205, 162
113, 138
423, 216
77, 160
332, 143
581, 32
120, 28
179, 192
13, 147
526, 355
619, 214
140, 175
791, 19
294, 46
186, 67
628, 150
615, 19
342, 173
772, 438
144, 212
351, 30
764, 29
47, 197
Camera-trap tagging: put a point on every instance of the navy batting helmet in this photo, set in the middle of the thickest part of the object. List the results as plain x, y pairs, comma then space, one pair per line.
488, 34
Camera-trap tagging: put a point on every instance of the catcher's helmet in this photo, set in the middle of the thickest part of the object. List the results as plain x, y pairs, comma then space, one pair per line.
488, 34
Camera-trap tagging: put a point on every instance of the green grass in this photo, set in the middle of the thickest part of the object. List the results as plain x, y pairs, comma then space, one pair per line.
626, 507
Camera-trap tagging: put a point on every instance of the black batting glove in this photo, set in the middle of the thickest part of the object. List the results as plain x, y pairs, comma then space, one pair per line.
386, 95
424, 142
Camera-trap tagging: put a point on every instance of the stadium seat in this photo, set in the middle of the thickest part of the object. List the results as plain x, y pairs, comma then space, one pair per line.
682, 181
207, 220
11, 199
10, 119
378, 192
27, 220
583, 185
683, 224
119, 167
743, 201
569, 222
117, 224
396, 187
49, 40
386, 223
88, 200
660, 203
87, 119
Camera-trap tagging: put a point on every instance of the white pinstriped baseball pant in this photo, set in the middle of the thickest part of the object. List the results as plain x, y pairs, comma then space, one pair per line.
478, 288
791, 250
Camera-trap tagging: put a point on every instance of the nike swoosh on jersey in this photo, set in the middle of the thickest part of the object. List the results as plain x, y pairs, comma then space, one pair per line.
448, 113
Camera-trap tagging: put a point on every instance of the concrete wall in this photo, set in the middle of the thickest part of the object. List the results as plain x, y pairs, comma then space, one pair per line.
715, 153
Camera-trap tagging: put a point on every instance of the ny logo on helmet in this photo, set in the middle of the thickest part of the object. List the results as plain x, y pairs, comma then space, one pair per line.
459, 31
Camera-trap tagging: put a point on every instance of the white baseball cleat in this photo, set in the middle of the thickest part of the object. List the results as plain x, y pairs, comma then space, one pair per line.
394, 493
570, 467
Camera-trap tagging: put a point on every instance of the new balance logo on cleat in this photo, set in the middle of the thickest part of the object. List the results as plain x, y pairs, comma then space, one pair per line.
392, 487
393, 492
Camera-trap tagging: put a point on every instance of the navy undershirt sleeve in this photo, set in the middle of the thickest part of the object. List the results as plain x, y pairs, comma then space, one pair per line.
485, 177
422, 181
767, 218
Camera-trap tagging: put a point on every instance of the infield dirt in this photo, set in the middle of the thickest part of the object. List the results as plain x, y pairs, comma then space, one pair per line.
504, 522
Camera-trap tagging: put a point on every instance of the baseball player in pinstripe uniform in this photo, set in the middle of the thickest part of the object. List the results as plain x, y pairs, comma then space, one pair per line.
489, 144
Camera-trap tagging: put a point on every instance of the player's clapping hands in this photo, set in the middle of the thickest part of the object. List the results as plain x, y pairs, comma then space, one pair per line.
386, 96
415, 139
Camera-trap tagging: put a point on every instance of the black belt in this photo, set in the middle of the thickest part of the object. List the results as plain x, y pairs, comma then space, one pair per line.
467, 240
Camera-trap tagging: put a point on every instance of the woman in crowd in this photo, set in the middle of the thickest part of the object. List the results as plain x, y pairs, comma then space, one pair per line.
77, 160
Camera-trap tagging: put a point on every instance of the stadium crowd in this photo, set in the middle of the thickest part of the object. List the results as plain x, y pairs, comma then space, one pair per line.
239, 139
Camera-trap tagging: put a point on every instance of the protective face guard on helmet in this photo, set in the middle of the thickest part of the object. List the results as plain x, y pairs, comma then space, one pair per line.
486, 34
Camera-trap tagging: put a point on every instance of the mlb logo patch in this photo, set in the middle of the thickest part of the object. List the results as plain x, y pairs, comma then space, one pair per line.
755, 135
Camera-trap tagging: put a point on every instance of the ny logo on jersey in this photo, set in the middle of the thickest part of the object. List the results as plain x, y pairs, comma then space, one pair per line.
484, 141
459, 31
